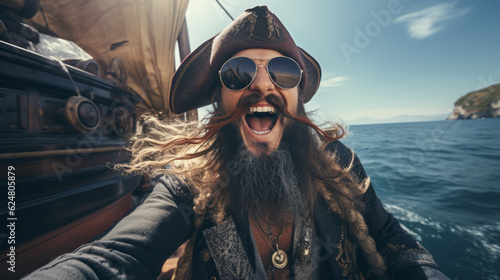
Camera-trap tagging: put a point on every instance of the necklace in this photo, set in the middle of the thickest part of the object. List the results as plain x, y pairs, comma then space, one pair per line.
279, 257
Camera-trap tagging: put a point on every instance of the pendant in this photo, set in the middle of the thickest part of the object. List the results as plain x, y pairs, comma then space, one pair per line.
304, 250
279, 258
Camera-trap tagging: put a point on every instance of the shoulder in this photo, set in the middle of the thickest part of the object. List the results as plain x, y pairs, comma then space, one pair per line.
341, 152
174, 186
346, 158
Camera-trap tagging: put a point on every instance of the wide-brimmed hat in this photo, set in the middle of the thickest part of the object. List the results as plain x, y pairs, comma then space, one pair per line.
257, 28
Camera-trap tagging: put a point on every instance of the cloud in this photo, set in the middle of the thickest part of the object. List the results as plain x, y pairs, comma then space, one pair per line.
334, 82
428, 21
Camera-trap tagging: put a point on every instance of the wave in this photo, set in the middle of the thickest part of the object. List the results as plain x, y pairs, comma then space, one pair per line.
475, 247
440, 180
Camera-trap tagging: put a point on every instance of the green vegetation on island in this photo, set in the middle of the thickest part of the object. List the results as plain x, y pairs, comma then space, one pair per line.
483, 103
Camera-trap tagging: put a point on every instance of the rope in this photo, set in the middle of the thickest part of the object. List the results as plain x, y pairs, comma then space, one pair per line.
65, 69
44, 18
225, 10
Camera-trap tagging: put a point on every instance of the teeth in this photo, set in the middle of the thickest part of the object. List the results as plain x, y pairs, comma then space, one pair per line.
261, 132
267, 109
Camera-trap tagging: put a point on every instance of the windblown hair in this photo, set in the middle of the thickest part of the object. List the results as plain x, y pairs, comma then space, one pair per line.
198, 153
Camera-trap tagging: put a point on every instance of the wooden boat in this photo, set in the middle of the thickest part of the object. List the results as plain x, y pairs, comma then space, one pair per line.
60, 170
61, 125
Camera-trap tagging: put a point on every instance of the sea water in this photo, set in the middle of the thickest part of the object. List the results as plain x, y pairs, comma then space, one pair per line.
441, 180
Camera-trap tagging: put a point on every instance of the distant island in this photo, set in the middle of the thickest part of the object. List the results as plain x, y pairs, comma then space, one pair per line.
397, 119
483, 103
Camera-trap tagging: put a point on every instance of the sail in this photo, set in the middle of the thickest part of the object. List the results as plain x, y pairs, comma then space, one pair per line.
141, 34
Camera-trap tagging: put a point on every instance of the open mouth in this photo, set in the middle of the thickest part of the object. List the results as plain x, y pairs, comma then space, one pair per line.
261, 120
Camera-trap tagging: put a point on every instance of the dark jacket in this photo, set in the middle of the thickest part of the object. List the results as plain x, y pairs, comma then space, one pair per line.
139, 244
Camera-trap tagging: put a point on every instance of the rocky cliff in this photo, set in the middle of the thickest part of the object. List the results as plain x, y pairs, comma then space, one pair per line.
483, 103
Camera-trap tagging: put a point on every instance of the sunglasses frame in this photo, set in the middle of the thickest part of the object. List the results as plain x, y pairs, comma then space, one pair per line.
256, 70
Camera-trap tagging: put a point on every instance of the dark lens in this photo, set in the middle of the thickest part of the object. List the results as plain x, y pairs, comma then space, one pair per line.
284, 71
238, 73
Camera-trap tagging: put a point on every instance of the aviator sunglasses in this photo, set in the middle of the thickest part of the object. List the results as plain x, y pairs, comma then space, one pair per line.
239, 72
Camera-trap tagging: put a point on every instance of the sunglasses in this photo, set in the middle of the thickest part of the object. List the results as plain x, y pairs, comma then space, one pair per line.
239, 72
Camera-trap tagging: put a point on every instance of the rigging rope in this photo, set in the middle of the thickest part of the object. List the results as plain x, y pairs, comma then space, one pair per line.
225, 10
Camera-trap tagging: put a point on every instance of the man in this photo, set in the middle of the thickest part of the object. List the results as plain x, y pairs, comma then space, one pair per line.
258, 190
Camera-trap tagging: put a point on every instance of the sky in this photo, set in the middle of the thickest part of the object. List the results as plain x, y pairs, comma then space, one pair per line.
380, 59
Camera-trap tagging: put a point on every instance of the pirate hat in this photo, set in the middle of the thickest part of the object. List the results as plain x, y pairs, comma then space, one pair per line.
257, 28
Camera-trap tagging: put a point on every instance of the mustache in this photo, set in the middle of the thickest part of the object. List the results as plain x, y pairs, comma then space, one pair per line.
253, 98
221, 118
279, 102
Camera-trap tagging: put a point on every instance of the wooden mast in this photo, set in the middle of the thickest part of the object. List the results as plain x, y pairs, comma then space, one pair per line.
184, 51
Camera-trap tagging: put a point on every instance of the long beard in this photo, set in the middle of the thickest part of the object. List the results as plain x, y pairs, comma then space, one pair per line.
272, 187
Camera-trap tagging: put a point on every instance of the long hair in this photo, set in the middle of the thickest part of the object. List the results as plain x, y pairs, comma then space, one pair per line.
198, 153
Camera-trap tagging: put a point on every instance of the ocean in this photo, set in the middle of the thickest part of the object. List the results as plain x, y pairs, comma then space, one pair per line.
441, 180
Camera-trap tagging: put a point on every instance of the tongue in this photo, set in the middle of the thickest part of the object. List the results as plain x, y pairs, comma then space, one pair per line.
259, 124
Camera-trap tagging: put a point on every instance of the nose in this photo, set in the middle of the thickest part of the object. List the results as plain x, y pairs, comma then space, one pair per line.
262, 82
